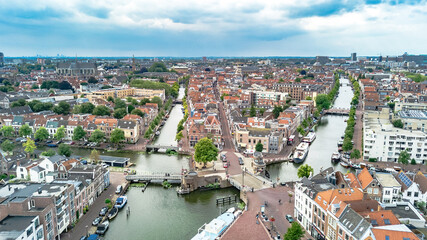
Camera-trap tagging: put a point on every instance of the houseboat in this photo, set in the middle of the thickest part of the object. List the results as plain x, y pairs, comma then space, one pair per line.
309, 138
121, 202
300, 152
336, 157
215, 228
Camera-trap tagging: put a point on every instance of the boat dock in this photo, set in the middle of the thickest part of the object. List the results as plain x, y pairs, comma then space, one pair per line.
227, 200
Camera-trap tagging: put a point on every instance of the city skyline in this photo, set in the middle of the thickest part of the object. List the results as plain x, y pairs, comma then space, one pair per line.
212, 28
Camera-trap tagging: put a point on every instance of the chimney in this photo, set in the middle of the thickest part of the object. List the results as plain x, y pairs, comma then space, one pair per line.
18, 163
379, 207
365, 195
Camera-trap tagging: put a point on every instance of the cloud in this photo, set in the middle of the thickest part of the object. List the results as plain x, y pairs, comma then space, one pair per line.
212, 27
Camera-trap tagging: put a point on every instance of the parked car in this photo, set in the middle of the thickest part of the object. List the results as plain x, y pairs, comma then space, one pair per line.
289, 218
96, 221
83, 238
103, 211
93, 237
241, 161
102, 228
49, 141
119, 189
21, 139
72, 143
225, 165
52, 145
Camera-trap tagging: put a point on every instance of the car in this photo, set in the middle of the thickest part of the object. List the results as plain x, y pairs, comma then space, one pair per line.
72, 143
225, 165
49, 141
103, 211
241, 161
83, 238
289, 218
119, 189
102, 228
52, 145
96, 221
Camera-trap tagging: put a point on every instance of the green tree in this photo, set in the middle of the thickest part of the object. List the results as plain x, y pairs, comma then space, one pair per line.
413, 162
7, 131
130, 108
301, 130
158, 67
87, 108
117, 135
157, 100
7, 146
101, 110
295, 232
179, 136
134, 102
60, 133
323, 101
305, 171
144, 101
404, 157
259, 147
97, 136
138, 112
92, 80
110, 99
205, 151
79, 133
25, 131
94, 156
347, 144
277, 110
29, 146
355, 154
62, 108
41, 134
398, 123
252, 111
48, 153
64, 149
118, 103
119, 113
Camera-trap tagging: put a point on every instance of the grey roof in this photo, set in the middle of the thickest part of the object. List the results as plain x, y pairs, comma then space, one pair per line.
13, 226
354, 223
400, 211
76, 65
413, 114
17, 110
57, 158
52, 124
259, 132
126, 124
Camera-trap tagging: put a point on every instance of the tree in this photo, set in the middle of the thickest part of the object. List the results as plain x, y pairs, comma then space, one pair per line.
295, 232
130, 108
413, 162
92, 80
305, 171
157, 100
119, 113
97, 136
259, 147
144, 101
62, 108
301, 130
347, 144
7, 131
7, 146
117, 135
60, 133
87, 108
277, 110
94, 156
110, 99
48, 153
158, 67
41, 134
404, 157
29, 146
323, 101
25, 130
118, 103
398, 123
252, 111
101, 110
138, 112
79, 133
205, 151
355, 154
65, 85
64, 149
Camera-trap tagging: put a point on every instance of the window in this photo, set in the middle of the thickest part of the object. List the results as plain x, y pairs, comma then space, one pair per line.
409, 194
387, 221
415, 194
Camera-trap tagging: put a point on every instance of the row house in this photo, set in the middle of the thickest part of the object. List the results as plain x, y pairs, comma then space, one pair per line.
414, 188
213, 130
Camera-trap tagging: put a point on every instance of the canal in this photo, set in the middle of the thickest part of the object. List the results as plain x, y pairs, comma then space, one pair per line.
160, 213
328, 132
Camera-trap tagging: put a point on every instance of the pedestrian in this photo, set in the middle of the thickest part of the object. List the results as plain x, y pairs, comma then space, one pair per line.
280, 201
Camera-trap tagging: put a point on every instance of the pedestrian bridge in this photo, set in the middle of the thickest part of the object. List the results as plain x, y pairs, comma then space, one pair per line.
337, 111
161, 148
155, 177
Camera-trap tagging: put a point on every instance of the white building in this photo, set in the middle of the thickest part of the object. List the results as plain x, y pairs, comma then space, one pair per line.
384, 142
390, 188
413, 190
21, 228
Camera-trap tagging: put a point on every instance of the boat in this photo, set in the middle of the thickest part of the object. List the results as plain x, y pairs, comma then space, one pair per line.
300, 152
215, 228
344, 164
336, 157
310, 137
157, 133
113, 213
340, 143
121, 202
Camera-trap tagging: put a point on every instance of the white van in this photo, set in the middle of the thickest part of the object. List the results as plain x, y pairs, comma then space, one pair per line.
119, 189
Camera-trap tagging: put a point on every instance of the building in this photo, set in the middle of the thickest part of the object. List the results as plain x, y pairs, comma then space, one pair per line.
1, 59
136, 93
413, 119
353, 57
390, 188
76, 69
21, 228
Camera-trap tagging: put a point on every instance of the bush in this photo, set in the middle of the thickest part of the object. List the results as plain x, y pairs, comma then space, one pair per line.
372, 160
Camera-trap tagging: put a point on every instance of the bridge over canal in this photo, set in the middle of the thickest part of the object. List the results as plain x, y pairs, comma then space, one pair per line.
160, 148
338, 111
155, 177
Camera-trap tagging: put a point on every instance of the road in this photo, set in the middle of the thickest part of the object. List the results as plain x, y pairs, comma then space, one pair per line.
85, 222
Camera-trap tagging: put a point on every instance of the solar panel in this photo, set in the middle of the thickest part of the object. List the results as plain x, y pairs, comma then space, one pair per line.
405, 179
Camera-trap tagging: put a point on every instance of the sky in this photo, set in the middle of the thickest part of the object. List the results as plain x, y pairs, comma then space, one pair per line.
193, 28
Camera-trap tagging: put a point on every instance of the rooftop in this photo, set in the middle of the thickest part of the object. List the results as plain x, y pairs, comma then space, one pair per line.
387, 180
13, 226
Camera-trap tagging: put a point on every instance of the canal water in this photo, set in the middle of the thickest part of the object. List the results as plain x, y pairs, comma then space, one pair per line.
329, 131
160, 213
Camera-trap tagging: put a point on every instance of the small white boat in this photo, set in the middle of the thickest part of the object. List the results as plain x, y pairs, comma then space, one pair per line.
336, 157
121, 202
344, 164
311, 136
300, 152
340, 143
157, 133
113, 213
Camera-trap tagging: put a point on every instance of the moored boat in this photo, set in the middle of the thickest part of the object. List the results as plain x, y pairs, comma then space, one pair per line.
344, 164
340, 143
113, 213
215, 228
300, 152
311, 136
336, 157
121, 202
